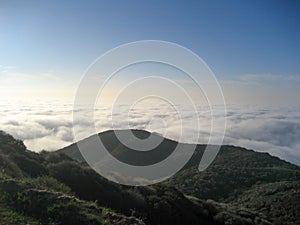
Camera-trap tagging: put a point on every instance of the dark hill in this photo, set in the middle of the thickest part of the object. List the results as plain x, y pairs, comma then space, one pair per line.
121, 151
235, 172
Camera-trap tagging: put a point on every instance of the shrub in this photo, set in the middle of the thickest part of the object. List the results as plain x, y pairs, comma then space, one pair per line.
48, 183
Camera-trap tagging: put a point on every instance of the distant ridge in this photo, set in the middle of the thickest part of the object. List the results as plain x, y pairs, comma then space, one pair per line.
125, 154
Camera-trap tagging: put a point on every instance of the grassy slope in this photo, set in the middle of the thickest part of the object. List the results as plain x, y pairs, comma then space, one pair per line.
30, 195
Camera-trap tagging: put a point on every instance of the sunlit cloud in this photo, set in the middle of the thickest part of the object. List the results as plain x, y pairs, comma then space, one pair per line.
275, 130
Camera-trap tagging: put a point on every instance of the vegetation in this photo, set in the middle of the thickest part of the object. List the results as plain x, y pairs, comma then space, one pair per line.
279, 201
30, 195
59, 188
233, 171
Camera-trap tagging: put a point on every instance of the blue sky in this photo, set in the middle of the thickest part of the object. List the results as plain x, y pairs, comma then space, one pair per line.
59, 40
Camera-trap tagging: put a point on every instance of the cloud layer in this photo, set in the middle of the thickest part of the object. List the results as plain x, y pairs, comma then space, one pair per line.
49, 125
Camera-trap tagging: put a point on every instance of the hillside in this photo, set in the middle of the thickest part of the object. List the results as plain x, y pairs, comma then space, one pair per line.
235, 172
279, 201
52, 188
29, 194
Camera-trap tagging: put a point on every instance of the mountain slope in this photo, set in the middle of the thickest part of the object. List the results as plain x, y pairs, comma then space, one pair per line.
235, 172
30, 195
59, 190
279, 201
121, 151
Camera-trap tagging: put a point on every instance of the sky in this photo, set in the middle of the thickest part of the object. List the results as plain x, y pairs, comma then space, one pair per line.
252, 48
46, 46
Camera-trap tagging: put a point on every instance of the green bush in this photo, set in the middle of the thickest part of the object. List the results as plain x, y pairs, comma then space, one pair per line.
48, 183
29, 167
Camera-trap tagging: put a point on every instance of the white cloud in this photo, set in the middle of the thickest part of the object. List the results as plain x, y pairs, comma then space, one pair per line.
48, 125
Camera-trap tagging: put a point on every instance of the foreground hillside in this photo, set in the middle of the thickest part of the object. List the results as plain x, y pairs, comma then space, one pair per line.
52, 188
30, 194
